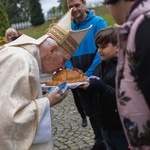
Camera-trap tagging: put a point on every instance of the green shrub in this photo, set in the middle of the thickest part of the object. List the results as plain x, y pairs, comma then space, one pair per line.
103, 12
36, 31
109, 20
4, 23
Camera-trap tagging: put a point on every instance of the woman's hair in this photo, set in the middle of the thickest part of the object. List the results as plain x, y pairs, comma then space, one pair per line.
106, 36
107, 2
8, 31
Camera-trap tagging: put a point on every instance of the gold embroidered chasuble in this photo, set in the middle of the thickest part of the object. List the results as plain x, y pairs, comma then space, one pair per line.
21, 103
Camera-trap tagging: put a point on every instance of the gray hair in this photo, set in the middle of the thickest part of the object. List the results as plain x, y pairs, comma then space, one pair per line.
48, 42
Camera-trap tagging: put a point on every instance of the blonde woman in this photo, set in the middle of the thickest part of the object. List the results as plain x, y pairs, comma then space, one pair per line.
10, 35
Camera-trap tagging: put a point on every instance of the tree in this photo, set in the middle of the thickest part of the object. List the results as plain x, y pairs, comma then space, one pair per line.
37, 17
24, 10
54, 13
4, 23
57, 12
17, 10
63, 5
12, 10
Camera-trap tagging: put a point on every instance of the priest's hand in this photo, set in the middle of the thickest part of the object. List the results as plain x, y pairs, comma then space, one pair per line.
55, 98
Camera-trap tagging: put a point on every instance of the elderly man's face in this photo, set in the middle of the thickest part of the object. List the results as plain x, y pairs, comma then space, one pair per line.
55, 59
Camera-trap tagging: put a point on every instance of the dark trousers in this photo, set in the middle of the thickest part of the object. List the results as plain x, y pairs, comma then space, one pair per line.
115, 140
87, 101
78, 103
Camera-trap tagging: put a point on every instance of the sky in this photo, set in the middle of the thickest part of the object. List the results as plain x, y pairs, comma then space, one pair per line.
48, 4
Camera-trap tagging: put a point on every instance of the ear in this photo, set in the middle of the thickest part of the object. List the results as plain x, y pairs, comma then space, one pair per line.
51, 49
117, 48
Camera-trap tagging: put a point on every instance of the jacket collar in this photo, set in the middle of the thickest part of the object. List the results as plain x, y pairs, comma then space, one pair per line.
137, 2
138, 8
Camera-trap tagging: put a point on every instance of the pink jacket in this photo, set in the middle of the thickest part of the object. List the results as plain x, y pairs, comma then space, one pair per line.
133, 109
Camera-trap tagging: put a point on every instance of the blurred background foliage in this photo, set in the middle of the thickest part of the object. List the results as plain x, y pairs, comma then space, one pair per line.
4, 22
15, 11
38, 31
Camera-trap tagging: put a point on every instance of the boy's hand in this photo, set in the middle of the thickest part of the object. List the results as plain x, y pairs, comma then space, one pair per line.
85, 86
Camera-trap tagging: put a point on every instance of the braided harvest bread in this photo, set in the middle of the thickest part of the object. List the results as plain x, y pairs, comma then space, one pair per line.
68, 75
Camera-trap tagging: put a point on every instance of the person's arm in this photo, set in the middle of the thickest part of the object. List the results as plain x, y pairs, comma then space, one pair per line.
69, 64
143, 58
95, 61
99, 24
97, 85
106, 92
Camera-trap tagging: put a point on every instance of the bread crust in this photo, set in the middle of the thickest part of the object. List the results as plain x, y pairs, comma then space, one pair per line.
67, 75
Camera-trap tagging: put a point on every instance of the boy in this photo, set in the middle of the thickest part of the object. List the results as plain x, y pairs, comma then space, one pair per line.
104, 90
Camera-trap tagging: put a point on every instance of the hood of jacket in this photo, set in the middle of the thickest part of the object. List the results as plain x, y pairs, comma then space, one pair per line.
89, 17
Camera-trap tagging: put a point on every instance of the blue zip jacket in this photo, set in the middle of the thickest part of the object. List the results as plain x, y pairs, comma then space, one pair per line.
86, 57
